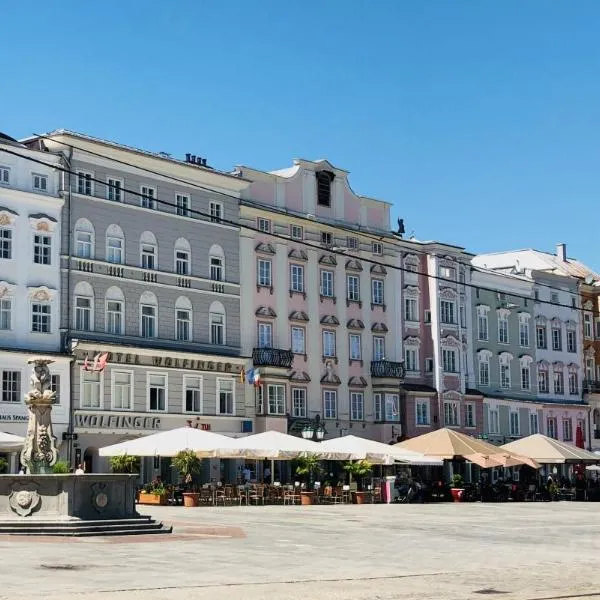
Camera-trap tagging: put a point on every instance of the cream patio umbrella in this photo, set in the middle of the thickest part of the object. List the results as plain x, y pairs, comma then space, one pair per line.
10, 442
376, 452
547, 450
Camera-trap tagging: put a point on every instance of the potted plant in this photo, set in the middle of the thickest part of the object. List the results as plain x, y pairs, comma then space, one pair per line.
457, 487
154, 492
60, 467
359, 469
188, 465
307, 468
3, 465
124, 463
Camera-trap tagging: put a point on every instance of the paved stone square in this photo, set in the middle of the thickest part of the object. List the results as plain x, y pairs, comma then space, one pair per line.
441, 551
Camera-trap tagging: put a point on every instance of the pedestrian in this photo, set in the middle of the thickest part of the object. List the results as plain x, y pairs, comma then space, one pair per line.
79, 470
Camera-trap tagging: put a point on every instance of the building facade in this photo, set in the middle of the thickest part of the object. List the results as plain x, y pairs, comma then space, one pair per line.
150, 279
590, 301
30, 294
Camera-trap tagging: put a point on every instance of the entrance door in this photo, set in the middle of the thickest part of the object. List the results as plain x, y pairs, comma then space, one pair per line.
89, 459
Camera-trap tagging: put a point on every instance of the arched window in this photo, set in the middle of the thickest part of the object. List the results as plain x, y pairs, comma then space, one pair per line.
183, 319
115, 311
484, 366
84, 239
148, 251
83, 310
216, 263
504, 359
217, 321
183, 253
148, 315
115, 245
525, 365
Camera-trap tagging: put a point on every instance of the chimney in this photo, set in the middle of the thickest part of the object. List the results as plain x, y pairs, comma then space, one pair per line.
561, 252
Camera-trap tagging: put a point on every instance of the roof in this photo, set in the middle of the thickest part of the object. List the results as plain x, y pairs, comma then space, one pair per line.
419, 387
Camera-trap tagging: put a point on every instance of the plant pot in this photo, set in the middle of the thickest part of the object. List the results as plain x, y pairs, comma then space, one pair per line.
191, 499
307, 498
359, 497
159, 499
457, 494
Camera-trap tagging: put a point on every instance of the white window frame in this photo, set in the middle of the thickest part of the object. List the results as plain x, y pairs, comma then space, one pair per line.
296, 232
55, 386
573, 383
331, 345
570, 437
182, 263
327, 238
111, 249
514, 423
263, 224
43, 316
571, 340
378, 347
447, 352
448, 312
354, 344
505, 375
329, 410
377, 292
422, 412
114, 188
452, 409
543, 376
146, 254
552, 427
327, 283
352, 242
199, 390
484, 381
217, 269
541, 336
84, 248
113, 389
588, 330
39, 182
220, 381
267, 281
533, 418
216, 211
6, 241
4, 175
411, 359
377, 248
108, 312
154, 320
391, 407
470, 415
82, 387
150, 374
357, 406
299, 408
189, 321
494, 421
411, 310
183, 204
42, 241
6, 314
78, 311
14, 389
278, 399
148, 197
503, 335
378, 406
87, 179
524, 332
526, 375
296, 278
296, 331
558, 382
353, 288
262, 328
211, 319
556, 339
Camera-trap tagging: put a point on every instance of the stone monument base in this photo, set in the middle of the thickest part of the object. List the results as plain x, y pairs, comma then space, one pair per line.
94, 504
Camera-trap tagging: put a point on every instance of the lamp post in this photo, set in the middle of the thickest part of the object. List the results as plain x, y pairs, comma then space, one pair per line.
314, 430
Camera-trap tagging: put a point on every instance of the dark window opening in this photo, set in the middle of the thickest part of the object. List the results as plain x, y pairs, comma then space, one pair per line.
324, 179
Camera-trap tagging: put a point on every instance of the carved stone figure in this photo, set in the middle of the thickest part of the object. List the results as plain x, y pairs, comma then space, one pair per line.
23, 500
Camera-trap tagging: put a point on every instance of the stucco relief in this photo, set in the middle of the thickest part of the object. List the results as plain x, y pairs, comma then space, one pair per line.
353, 265
42, 222
357, 382
589, 305
447, 293
451, 342
328, 259
451, 395
300, 376
355, 324
265, 311
379, 328
265, 248
41, 294
541, 320
298, 315
297, 254
378, 270
329, 320
411, 291
6, 289
412, 341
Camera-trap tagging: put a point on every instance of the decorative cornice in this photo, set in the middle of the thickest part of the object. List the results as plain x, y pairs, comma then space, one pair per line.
329, 320
543, 364
484, 354
6, 289
541, 320
300, 376
573, 367
448, 293
379, 328
411, 291
378, 270
265, 248
42, 222
298, 315
589, 305
328, 259
503, 312
355, 324
556, 322
353, 265
450, 341
451, 395
297, 254
412, 340
558, 364
265, 311
357, 382
7, 216
41, 293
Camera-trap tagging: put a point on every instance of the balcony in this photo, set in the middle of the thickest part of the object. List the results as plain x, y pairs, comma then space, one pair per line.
591, 386
272, 357
388, 369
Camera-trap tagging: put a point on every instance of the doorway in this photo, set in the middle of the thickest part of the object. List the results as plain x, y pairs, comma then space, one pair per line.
89, 459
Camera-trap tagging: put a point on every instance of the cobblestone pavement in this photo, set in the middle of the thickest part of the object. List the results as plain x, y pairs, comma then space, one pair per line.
445, 551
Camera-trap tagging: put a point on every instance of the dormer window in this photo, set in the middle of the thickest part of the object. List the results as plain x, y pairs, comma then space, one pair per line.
324, 179
326, 238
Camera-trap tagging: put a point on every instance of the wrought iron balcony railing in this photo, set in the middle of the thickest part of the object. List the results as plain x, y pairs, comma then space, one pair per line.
590, 386
386, 368
272, 357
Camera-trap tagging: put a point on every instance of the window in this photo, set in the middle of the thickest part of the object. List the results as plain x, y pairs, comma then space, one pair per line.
264, 272
327, 238
451, 414
11, 386
263, 225
329, 344
122, 390
551, 427
523, 332
427, 314
515, 426
525, 377
148, 256
447, 272
377, 291
378, 407
193, 394
217, 328
392, 407
327, 284
533, 423
276, 395
83, 313
296, 232
554, 298
556, 339
587, 325
42, 249
447, 312
559, 382
573, 384
226, 397
84, 183
324, 179
352, 243
543, 383
5, 243
55, 387
183, 205
484, 371
355, 347
410, 360
148, 197
299, 402
297, 278
503, 329
470, 415
216, 268
6, 314
4, 176
298, 340
410, 309
567, 430
378, 348
83, 244
114, 317
114, 189
40, 183
429, 365
182, 262
114, 250
571, 340
463, 316
581, 425
504, 373
216, 212
183, 325
329, 404
40, 317
157, 392
540, 334
148, 323
353, 288
90, 389
265, 335
449, 360
377, 248
357, 406
422, 411
482, 325
494, 420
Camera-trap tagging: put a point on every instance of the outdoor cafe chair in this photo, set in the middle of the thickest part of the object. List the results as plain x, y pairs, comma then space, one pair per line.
256, 494
291, 495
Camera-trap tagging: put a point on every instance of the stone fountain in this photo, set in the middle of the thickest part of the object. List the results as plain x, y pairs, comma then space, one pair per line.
43, 503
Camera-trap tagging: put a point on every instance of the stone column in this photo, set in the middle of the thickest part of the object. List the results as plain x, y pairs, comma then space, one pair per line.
39, 452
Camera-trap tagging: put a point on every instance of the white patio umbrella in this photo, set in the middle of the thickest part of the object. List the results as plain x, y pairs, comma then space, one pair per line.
168, 443
10, 442
378, 453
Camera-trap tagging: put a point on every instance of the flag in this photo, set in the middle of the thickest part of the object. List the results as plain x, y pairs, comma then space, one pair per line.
250, 376
256, 378
242, 375
101, 363
86, 364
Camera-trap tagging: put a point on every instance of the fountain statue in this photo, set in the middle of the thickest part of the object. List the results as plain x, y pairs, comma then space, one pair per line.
39, 452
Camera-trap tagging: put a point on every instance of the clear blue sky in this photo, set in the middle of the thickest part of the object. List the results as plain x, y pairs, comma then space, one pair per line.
478, 120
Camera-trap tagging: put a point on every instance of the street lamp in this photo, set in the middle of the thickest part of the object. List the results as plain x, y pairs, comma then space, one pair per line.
314, 430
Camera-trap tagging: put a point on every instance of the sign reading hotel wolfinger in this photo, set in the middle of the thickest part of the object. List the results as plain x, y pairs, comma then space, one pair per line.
102, 421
